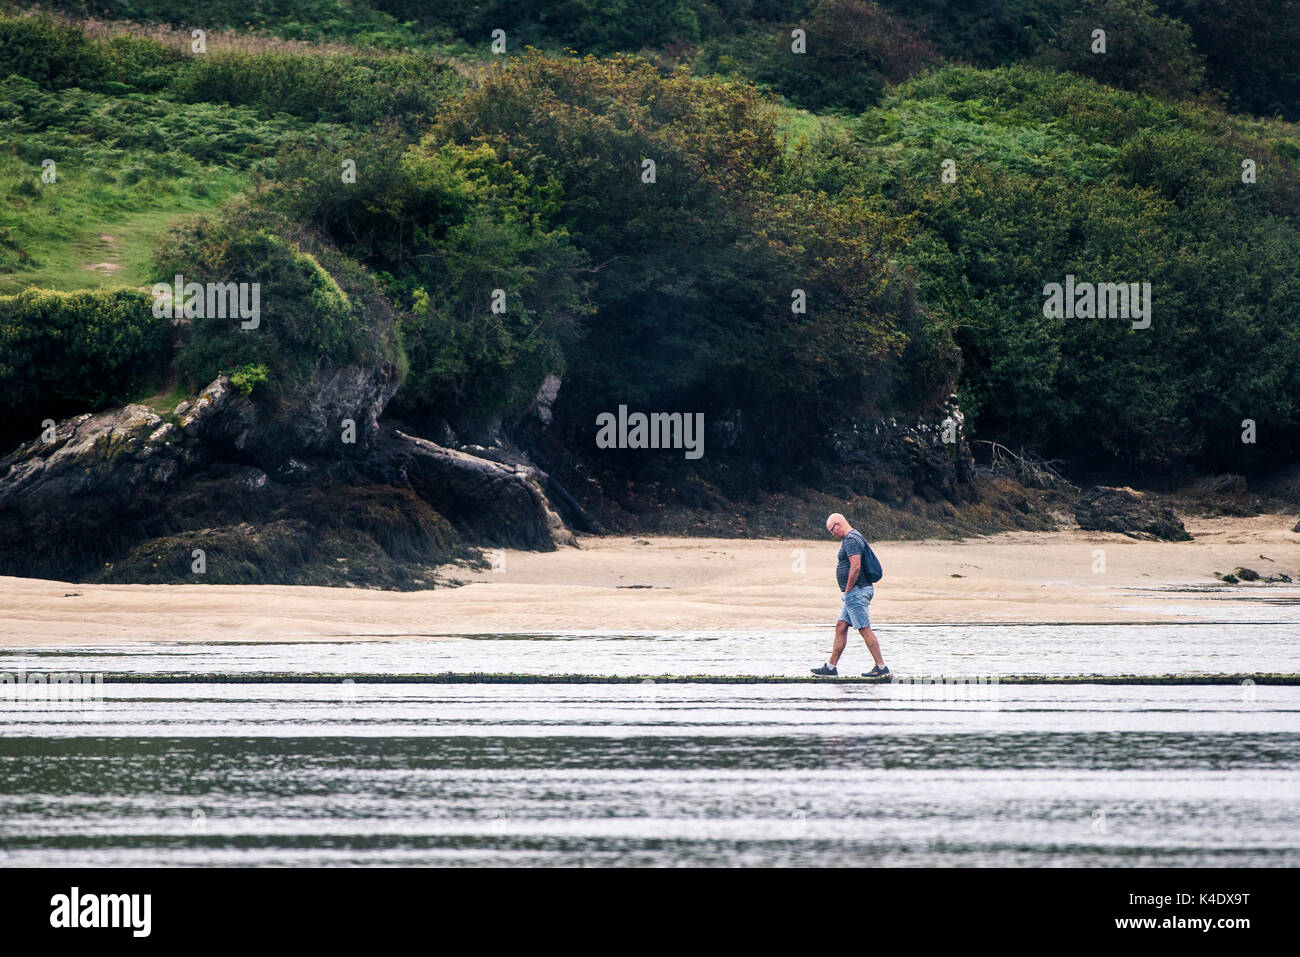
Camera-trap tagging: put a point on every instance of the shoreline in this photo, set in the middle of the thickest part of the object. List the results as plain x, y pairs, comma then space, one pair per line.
624, 584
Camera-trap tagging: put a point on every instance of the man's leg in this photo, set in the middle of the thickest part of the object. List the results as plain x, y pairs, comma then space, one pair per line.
873, 646
841, 639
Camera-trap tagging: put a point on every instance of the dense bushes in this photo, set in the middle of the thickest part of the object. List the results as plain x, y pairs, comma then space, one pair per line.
341, 89
590, 26
303, 315
357, 20
694, 273
1252, 56
53, 56
443, 227
1251, 53
676, 293
58, 57
64, 353
854, 50
1135, 189
1145, 50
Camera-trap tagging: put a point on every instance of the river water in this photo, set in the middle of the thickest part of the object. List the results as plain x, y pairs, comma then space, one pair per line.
651, 773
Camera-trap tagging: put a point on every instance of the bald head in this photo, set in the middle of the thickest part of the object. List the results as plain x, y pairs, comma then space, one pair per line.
837, 525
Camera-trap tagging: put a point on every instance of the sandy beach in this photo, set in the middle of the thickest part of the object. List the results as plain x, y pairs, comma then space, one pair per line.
689, 584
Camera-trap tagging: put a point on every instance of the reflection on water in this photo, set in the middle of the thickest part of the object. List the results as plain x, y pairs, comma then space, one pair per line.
1192, 647
650, 774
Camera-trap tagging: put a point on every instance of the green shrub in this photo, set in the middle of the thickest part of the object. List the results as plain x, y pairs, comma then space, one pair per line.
304, 315
1253, 57
443, 226
693, 275
248, 377
357, 89
1145, 50
590, 26
54, 56
984, 32
357, 21
854, 50
57, 57
1123, 188
63, 353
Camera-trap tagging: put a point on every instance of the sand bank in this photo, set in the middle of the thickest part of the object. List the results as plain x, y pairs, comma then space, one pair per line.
657, 584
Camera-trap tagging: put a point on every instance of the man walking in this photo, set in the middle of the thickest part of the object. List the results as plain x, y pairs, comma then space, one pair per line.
855, 562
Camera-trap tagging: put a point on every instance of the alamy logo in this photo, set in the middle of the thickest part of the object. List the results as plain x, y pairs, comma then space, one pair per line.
102, 910
1104, 300
659, 430
51, 690
213, 300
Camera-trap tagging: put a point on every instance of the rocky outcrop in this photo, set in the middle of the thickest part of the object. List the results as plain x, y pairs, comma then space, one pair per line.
272, 489
1110, 509
335, 416
112, 454
68, 504
486, 501
929, 455
1225, 494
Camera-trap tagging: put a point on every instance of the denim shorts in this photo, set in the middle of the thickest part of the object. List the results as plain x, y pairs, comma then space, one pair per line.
856, 608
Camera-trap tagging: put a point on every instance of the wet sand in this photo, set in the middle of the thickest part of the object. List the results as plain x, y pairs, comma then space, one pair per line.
674, 584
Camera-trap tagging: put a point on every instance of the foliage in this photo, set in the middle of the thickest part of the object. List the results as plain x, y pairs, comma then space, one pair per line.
358, 21
854, 50
1136, 190
694, 272
304, 317
676, 294
248, 377
51, 55
64, 353
1253, 56
338, 89
444, 226
1145, 50
592, 26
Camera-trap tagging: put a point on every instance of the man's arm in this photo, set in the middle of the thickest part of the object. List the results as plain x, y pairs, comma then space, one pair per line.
855, 566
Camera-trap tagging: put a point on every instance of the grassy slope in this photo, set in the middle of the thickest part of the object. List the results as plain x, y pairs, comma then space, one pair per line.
99, 223
76, 238
129, 167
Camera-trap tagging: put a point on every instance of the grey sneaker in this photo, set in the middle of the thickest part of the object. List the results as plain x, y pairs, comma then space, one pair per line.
826, 671
880, 671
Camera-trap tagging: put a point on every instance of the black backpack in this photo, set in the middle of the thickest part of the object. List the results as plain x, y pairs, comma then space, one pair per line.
873, 570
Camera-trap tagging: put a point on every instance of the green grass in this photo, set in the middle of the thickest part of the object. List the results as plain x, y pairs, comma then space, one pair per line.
127, 167
799, 125
77, 235
164, 403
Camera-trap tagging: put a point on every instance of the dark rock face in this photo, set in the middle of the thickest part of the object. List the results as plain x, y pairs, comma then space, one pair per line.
489, 502
279, 437
270, 492
69, 504
336, 534
1225, 495
930, 455
1109, 509
112, 453
1227, 484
